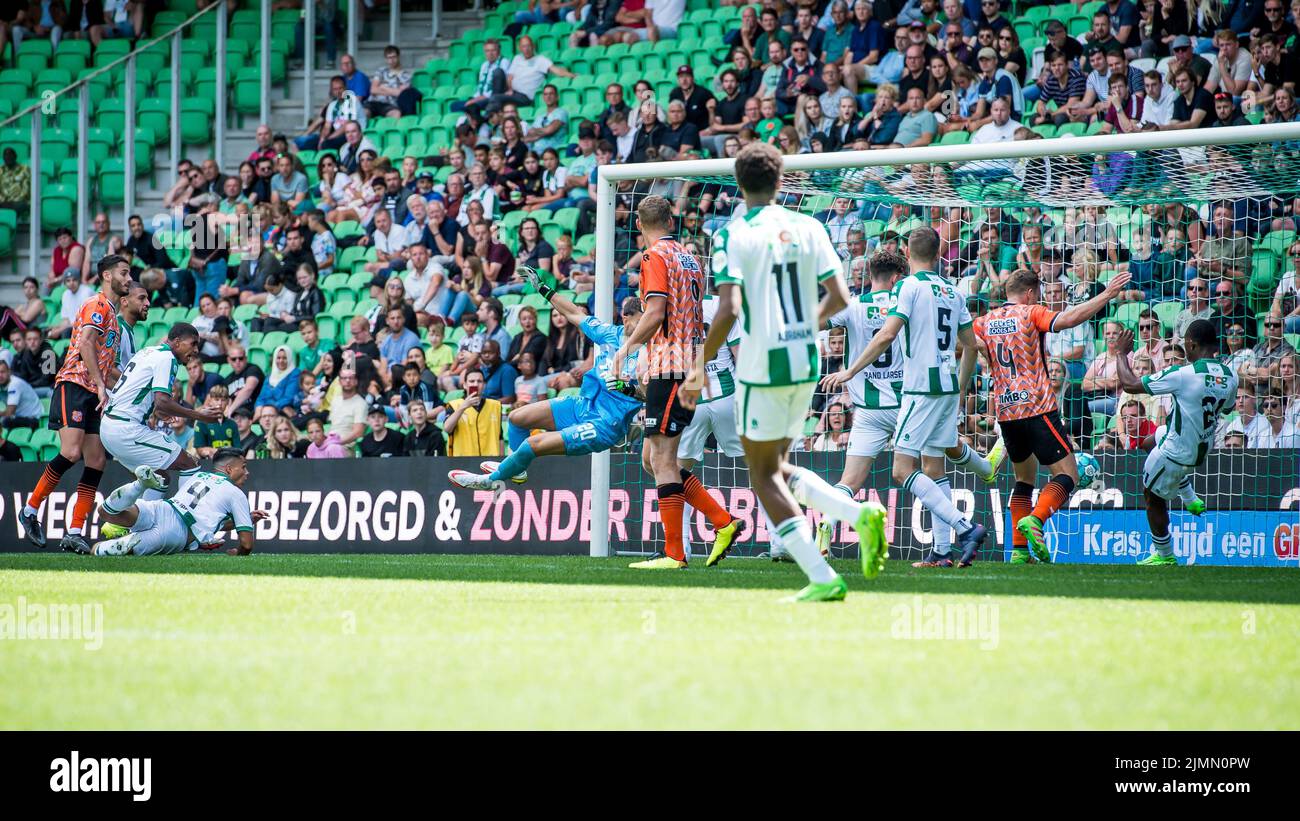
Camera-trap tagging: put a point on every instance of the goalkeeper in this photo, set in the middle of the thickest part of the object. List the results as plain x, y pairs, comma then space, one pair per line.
597, 419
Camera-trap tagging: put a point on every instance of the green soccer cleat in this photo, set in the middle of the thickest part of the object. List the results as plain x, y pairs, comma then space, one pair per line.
824, 531
1031, 527
722, 543
661, 563
1156, 560
1020, 555
1196, 507
872, 545
112, 531
834, 590
995, 457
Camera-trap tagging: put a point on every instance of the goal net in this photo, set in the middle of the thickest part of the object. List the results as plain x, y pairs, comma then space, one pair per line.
1201, 220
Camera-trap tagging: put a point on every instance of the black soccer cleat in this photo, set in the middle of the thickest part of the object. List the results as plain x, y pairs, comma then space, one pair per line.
75, 543
933, 559
970, 542
33, 529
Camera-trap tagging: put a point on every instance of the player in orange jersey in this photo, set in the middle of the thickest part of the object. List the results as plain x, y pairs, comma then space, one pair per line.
672, 328
1014, 342
80, 390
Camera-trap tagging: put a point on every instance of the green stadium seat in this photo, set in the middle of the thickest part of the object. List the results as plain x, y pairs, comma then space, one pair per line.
196, 120
15, 83
34, 54
112, 181
58, 207
154, 113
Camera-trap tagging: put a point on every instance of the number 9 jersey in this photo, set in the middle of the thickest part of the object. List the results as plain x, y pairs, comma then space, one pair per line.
777, 257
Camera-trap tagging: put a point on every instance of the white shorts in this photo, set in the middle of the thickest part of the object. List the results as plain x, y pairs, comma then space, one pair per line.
872, 430
1163, 476
769, 414
159, 529
717, 417
134, 445
927, 425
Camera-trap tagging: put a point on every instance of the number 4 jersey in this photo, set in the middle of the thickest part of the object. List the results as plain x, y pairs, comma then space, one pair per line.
1013, 337
207, 501
777, 257
879, 385
1201, 391
933, 311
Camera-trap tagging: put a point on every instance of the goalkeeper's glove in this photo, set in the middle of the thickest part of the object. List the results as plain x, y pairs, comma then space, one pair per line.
539, 285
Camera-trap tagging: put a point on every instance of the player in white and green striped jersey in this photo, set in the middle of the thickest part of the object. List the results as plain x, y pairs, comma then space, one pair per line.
767, 266
932, 316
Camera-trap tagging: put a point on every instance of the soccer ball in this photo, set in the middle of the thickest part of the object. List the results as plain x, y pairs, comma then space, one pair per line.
1089, 469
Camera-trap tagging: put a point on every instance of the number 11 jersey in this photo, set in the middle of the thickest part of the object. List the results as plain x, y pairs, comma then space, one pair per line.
777, 257
933, 311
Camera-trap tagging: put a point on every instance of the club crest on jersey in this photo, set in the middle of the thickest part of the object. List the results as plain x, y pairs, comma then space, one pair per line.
1000, 327
96, 317
76, 416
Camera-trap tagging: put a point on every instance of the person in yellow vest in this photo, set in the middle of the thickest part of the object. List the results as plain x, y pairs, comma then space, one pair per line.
474, 425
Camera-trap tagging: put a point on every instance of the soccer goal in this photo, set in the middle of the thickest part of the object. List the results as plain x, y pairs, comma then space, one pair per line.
1193, 215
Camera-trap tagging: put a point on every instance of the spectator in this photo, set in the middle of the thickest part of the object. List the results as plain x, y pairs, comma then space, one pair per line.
310, 301
524, 77
1101, 381
1230, 310
245, 378
1286, 299
1124, 110
1072, 347
423, 438
200, 382
392, 94
1198, 306
867, 45
380, 441
353, 152
1231, 72
20, 407
1280, 432
32, 312
598, 21
836, 426
322, 445
68, 253
1245, 421
1266, 357
210, 436
289, 186
394, 341
326, 131
918, 126
37, 363
281, 388
550, 129
263, 149
75, 294
276, 313
474, 423
879, 127
1063, 85
353, 79
1134, 427
491, 314
529, 386
1193, 106
1158, 103
491, 77
348, 409
99, 244
15, 182
498, 376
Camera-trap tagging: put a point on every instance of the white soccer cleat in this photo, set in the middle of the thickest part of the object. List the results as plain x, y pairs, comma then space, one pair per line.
117, 547
150, 478
491, 467
476, 481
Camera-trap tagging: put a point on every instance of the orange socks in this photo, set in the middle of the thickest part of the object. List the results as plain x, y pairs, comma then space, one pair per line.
698, 497
672, 502
1054, 496
1021, 504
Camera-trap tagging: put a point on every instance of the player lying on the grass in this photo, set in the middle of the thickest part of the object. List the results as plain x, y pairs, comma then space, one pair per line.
1014, 341
209, 504
598, 418
774, 258
1201, 390
934, 389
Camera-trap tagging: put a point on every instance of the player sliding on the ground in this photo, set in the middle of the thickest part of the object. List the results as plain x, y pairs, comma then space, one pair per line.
1014, 337
876, 389
597, 419
774, 259
1201, 390
209, 504
672, 290
934, 390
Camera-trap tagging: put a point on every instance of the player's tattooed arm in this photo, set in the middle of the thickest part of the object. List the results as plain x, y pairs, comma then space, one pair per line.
1128, 381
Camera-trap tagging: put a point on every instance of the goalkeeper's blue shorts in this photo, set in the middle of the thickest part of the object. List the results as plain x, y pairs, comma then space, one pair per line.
584, 427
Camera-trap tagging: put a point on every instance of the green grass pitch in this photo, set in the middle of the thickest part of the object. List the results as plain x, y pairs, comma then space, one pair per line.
387, 641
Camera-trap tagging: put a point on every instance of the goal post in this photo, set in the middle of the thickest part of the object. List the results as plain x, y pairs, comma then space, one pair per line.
1129, 178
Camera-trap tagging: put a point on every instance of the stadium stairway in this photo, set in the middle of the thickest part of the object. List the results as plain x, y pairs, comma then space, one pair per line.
286, 117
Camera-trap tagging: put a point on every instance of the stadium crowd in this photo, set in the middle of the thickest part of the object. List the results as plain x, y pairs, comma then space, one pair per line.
412, 257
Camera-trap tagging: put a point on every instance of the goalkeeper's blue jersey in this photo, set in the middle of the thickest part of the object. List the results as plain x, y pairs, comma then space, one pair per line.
608, 339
